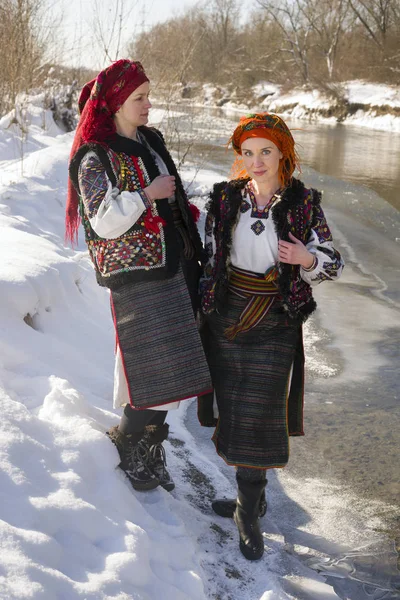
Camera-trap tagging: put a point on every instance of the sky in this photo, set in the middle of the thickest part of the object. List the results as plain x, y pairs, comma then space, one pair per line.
80, 20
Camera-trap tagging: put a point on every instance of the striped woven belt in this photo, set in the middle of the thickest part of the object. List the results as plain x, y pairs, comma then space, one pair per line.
261, 292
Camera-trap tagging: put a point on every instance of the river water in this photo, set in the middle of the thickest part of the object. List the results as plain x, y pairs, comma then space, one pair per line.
352, 413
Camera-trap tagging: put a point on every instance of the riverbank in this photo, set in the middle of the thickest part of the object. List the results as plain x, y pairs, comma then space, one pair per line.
359, 103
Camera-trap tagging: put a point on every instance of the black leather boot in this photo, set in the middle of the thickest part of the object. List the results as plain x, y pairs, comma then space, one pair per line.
226, 507
246, 517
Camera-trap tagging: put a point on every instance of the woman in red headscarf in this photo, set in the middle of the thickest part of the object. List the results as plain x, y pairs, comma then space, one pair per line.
143, 241
267, 242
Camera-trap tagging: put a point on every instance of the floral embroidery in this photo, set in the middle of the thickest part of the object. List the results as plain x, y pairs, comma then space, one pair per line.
116, 256
208, 226
209, 249
320, 226
143, 245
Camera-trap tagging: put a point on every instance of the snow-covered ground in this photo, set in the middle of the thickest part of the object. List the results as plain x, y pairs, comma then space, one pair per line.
70, 525
364, 104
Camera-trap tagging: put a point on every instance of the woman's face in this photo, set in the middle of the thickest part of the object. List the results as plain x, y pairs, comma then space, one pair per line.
261, 159
135, 110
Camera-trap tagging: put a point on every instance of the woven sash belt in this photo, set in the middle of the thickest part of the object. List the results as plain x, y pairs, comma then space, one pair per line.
261, 290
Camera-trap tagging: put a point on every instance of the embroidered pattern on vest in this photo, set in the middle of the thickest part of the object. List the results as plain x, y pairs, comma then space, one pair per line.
143, 245
291, 211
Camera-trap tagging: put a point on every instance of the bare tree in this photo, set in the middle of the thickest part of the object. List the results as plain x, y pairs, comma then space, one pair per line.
24, 39
288, 41
109, 24
171, 50
224, 14
376, 16
380, 21
289, 17
326, 19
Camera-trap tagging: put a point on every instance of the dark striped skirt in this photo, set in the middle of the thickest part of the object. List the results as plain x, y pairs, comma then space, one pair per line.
161, 351
251, 377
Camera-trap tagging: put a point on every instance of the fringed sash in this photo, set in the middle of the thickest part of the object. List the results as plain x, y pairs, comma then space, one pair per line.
261, 291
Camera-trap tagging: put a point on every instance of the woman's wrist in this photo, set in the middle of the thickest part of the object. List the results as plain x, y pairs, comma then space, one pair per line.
148, 194
311, 263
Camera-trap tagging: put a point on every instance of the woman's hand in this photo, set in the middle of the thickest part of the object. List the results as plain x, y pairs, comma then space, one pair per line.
294, 253
163, 186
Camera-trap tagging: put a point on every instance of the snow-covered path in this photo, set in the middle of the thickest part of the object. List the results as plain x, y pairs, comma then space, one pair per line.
70, 526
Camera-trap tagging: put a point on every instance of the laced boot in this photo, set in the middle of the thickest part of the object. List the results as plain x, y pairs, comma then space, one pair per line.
226, 507
153, 437
134, 459
246, 517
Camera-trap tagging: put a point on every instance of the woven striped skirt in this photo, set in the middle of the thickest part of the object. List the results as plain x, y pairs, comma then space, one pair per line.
251, 379
161, 351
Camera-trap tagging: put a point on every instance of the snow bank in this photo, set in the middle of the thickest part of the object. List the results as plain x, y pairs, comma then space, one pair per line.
70, 525
374, 94
376, 106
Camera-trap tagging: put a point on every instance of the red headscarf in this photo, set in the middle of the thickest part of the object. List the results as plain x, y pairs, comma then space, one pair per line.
273, 128
99, 100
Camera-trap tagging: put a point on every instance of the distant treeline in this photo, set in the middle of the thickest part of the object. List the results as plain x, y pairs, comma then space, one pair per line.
289, 42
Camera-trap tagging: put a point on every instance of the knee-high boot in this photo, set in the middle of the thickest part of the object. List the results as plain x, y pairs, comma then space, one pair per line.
226, 507
246, 517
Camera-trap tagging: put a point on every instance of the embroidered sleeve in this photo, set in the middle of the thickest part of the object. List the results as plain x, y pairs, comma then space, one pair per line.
329, 265
210, 247
110, 212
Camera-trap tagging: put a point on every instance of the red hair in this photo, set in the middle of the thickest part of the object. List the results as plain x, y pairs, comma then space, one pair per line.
99, 100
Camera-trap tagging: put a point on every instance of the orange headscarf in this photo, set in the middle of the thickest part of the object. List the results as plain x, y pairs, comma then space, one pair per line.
270, 127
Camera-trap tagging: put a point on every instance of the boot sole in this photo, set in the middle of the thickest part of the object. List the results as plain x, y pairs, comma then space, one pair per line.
168, 486
249, 554
142, 487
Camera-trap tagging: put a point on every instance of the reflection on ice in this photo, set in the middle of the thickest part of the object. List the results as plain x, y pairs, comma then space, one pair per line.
360, 575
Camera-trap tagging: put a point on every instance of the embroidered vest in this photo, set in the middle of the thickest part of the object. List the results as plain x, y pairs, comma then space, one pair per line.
294, 213
148, 250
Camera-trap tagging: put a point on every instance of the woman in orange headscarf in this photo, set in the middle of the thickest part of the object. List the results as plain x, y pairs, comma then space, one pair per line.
267, 242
